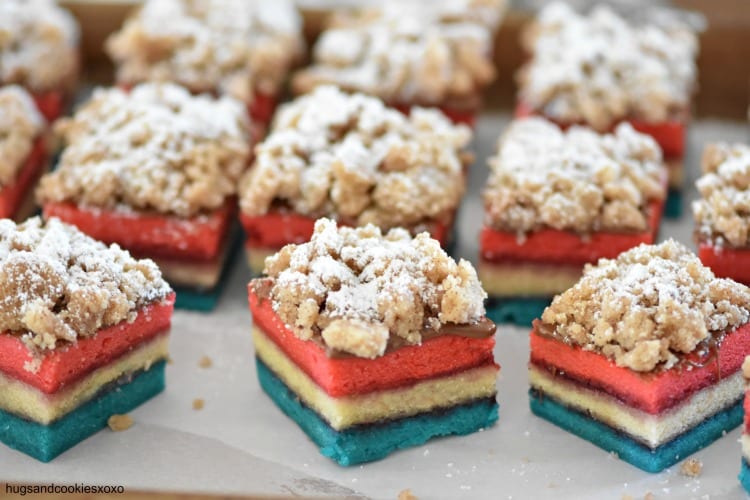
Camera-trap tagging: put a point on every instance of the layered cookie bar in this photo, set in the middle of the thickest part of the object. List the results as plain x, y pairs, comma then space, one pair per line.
410, 53
351, 158
23, 152
156, 171
373, 343
643, 356
39, 51
721, 213
84, 335
744, 476
600, 69
230, 47
556, 200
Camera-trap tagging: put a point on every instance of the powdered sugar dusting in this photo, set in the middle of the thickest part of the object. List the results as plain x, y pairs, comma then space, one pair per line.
598, 69
356, 288
351, 157
156, 148
579, 180
20, 125
57, 284
647, 308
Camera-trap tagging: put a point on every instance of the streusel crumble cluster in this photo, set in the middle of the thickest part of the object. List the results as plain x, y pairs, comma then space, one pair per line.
20, 126
648, 307
351, 157
56, 283
575, 180
230, 46
722, 214
154, 148
355, 288
599, 69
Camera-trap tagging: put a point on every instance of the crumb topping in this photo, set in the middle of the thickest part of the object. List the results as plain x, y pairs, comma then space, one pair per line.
119, 423
411, 52
599, 69
354, 288
38, 44
232, 46
722, 214
155, 148
57, 284
648, 307
20, 125
351, 158
746, 367
574, 180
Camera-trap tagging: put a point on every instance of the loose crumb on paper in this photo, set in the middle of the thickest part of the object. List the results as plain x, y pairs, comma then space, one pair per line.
406, 495
120, 422
649, 496
198, 403
205, 362
691, 468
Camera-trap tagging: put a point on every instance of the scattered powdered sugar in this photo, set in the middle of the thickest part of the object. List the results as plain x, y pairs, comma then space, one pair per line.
579, 180
356, 288
230, 46
58, 284
648, 307
155, 148
38, 44
722, 214
20, 125
350, 157
598, 69
411, 51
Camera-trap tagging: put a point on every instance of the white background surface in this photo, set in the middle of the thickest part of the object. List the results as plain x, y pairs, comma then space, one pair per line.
241, 443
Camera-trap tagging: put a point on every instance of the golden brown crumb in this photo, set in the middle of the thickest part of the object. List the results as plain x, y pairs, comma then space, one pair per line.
627, 497
120, 422
647, 307
575, 180
155, 148
406, 495
20, 126
746, 368
352, 158
198, 404
691, 467
205, 362
354, 288
648, 496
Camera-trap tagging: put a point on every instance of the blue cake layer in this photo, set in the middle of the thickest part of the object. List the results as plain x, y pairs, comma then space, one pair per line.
744, 476
45, 442
366, 443
520, 311
673, 206
629, 450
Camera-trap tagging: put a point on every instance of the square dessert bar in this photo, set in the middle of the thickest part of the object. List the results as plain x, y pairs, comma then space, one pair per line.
226, 47
410, 53
156, 171
84, 335
39, 51
373, 343
350, 158
721, 213
600, 69
744, 476
556, 200
23, 152
643, 356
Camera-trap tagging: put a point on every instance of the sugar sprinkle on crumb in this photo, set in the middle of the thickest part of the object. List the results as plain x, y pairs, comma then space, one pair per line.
205, 362
198, 404
120, 423
406, 495
691, 467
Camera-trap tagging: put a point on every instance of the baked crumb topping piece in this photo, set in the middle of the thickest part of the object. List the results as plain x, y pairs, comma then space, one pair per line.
746, 368
574, 180
599, 69
722, 214
409, 51
234, 47
20, 125
647, 308
354, 288
38, 44
351, 158
156, 148
57, 284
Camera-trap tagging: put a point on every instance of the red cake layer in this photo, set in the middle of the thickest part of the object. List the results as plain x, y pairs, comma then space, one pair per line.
50, 104
670, 135
276, 229
746, 418
149, 234
68, 364
553, 245
13, 195
457, 116
726, 262
652, 392
436, 357
262, 107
